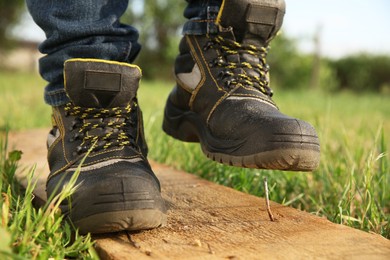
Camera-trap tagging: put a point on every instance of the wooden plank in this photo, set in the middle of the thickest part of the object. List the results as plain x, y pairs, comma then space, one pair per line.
209, 221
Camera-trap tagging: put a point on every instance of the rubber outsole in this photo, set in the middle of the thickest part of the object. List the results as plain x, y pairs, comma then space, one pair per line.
116, 203
130, 220
283, 159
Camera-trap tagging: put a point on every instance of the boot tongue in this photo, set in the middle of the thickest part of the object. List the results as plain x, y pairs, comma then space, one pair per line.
253, 21
94, 83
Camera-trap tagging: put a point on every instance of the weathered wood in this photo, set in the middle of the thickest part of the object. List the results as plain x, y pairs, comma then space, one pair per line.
209, 221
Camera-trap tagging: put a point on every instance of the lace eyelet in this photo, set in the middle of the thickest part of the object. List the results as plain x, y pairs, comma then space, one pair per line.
81, 149
228, 83
221, 75
107, 126
208, 45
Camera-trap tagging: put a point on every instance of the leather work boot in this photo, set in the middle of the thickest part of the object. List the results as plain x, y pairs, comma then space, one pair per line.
223, 99
102, 124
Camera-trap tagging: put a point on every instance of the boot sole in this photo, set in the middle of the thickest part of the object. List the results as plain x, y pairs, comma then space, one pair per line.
105, 207
187, 126
130, 220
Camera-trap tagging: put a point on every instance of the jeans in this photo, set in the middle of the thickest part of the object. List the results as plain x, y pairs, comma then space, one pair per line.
91, 29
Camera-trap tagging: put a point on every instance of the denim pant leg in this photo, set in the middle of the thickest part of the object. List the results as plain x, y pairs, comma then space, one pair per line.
91, 29
201, 15
80, 29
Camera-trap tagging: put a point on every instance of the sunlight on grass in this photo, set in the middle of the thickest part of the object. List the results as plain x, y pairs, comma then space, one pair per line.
22, 105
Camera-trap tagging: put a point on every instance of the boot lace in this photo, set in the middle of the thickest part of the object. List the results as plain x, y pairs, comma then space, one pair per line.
251, 71
100, 128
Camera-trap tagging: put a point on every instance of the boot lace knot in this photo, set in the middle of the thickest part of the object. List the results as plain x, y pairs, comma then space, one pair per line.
250, 70
100, 128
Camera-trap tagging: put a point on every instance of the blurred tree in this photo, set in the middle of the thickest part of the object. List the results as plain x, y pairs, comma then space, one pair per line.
292, 69
289, 68
159, 23
363, 72
10, 11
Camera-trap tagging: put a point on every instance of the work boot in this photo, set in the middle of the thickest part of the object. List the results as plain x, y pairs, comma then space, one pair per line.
102, 125
223, 98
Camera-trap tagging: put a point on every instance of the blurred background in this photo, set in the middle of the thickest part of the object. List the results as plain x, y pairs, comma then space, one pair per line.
328, 44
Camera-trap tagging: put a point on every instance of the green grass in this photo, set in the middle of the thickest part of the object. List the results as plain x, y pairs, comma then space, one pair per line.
30, 233
350, 186
22, 105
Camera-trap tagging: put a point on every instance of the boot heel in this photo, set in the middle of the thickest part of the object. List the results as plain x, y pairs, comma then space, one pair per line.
175, 125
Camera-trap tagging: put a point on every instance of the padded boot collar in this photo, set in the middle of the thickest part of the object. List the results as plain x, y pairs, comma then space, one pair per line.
252, 20
97, 83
